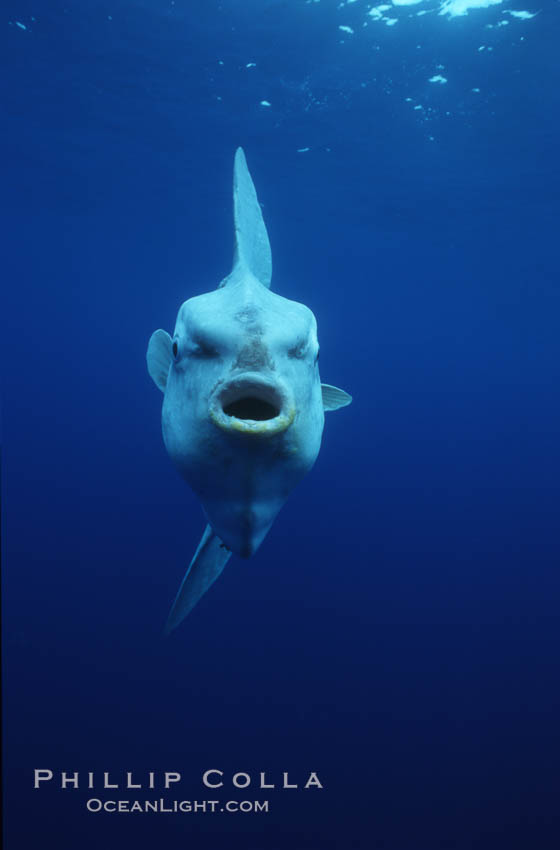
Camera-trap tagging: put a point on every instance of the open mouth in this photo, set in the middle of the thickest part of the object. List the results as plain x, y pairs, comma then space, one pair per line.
251, 404
251, 408
257, 402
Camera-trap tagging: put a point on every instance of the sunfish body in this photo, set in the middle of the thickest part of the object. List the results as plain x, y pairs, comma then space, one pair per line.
243, 407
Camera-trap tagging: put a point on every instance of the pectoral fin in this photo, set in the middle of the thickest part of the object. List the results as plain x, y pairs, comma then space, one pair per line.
333, 398
209, 560
158, 357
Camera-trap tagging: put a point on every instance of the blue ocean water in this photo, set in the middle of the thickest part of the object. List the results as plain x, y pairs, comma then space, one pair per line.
398, 630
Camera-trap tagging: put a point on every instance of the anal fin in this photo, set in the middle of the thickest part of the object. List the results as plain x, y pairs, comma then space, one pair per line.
206, 566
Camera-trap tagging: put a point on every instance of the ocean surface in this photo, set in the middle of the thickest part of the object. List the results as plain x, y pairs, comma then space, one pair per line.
398, 630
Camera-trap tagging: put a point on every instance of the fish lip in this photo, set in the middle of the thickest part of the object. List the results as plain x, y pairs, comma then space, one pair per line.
261, 387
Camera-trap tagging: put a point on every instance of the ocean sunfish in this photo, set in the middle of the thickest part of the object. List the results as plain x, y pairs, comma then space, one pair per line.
243, 406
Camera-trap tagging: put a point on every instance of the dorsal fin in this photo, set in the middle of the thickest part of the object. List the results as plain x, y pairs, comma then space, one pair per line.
252, 248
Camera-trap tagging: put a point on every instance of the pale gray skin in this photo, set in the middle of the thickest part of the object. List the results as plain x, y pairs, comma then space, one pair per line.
243, 339
243, 409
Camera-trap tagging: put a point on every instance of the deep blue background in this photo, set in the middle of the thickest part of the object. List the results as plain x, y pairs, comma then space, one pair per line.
398, 631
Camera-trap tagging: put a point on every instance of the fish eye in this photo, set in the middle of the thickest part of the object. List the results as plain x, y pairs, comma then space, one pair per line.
175, 349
